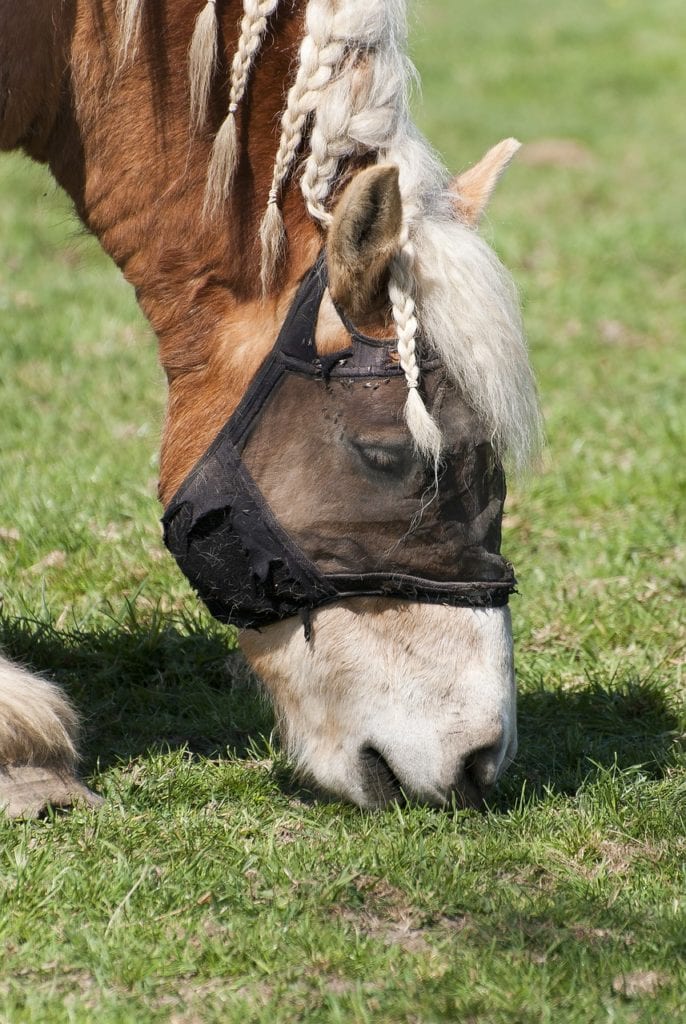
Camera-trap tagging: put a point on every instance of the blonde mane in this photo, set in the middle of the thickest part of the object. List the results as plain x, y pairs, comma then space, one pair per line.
349, 98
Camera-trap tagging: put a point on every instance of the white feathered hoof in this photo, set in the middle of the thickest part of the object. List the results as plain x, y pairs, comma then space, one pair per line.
27, 791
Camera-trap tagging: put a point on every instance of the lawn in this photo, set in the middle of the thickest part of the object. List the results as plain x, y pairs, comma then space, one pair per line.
211, 888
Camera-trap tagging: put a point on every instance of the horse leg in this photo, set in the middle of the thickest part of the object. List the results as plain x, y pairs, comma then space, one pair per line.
37, 752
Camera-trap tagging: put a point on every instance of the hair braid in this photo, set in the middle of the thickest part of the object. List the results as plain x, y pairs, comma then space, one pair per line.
401, 291
319, 55
329, 144
358, 113
202, 60
333, 29
224, 156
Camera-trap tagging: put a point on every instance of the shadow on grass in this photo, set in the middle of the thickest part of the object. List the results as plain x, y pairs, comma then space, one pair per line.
163, 685
566, 736
154, 686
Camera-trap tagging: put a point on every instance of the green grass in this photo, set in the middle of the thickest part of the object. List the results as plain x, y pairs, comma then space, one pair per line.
211, 888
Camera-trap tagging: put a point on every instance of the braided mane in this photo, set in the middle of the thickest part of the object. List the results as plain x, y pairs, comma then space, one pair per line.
349, 99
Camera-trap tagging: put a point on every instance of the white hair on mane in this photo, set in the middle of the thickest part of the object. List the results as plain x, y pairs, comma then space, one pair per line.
129, 14
469, 312
349, 99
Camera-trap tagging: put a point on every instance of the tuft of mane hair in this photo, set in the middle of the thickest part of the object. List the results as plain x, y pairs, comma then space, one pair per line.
349, 99
202, 59
37, 724
469, 313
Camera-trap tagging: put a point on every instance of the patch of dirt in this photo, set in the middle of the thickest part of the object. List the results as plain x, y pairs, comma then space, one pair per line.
530, 876
590, 936
287, 832
76, 986
53, 560
24, 300
401, 932
613, 857
378, 890
338, 986
195, 995
387, 917
553, 633
618, 857
639, 983
556, 153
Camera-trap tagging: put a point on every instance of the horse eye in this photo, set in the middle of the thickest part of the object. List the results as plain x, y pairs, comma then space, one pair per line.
392, 459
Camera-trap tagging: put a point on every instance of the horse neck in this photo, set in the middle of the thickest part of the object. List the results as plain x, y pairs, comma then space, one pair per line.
124, 152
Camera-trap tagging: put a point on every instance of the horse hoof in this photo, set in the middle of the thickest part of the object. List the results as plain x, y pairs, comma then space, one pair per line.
26, 791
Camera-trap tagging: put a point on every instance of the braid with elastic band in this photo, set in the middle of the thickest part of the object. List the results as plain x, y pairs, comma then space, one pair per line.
315, 70
224, 157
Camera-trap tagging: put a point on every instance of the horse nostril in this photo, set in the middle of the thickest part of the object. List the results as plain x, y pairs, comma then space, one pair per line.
479, 774
379, 776
469, 786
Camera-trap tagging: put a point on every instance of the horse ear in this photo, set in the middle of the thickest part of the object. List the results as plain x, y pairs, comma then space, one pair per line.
364, 237
473, 188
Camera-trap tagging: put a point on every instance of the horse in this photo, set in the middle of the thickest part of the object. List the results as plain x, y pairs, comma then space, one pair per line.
300, 253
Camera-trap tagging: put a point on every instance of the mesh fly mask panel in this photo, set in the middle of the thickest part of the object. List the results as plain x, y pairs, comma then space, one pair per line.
261, 542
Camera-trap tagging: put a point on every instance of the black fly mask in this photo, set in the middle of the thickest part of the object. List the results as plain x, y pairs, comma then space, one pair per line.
312, 492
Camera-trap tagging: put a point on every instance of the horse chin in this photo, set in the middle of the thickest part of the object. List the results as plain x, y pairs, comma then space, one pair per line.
391, 700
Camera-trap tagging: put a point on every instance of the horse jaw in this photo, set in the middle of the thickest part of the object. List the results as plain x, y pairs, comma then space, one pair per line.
390, 699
